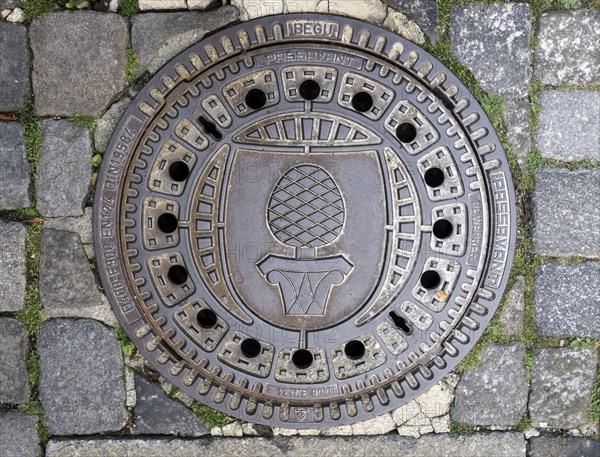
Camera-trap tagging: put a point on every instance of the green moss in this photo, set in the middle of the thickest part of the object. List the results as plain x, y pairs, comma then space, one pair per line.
33, 408
594, 408
131, 65
36, 8
127, 347
210, 417
83, 120
524, 424
456, 428
128, 7
31, 315
32, 132
97, 160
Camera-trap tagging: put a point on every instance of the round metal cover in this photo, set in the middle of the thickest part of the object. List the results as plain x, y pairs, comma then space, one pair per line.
304, 221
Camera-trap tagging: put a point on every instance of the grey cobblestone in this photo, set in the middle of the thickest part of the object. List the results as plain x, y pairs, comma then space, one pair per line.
18, 435
158, 37
479, 445
64, 83
82, 388
14, 168
65, 169
567, 302
67, 285
13, 269
561, 385
566, 213
518, 128
511, 315
493, 42
551, 446
14, 71
482, 392
107, 123
14, 347
423, 12
567, 49
174, 418
569, 125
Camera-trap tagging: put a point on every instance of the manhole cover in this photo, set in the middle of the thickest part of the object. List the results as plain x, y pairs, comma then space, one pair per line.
304, 221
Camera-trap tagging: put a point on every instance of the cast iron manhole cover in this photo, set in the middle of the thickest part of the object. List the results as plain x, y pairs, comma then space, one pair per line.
304, 221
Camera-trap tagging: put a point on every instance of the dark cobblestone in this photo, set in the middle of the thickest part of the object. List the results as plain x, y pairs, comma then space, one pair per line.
14, 168
493, 42
14, 71
561, 385
566, 213
18, 435
13, 270
14, 347
64, 81
82, 388
567, 302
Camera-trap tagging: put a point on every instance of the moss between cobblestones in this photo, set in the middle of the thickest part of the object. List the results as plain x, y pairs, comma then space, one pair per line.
127, 347
210, 417
131, 65
128, 8
83, 120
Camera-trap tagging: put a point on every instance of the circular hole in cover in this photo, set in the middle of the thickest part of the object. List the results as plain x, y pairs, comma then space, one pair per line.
256, 99
430, 279
310, 89
251, 347
434, 177
354, 349
178, 275
206, 318
167, 223
442, 228
362, 102
302, 358
406, 132
179, 171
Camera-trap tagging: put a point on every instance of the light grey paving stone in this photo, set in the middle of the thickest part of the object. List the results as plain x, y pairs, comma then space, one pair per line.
14, 71
18, 435
9, 4
107, 123
566, 213
561, 385
493, 42
78, 61
567, 49
511, 315
174, 418
14, 168
558, 446
81, 225
158, 37
507, 444
423, 12
482, 393
13, 267
67, 285
569, 125
567, 302
65, 170
518, 128
14, 347
81, 388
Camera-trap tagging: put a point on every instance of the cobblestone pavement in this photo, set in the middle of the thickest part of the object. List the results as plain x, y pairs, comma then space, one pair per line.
71, 384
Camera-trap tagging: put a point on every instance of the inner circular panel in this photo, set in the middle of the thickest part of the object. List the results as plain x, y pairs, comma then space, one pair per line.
304, 221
